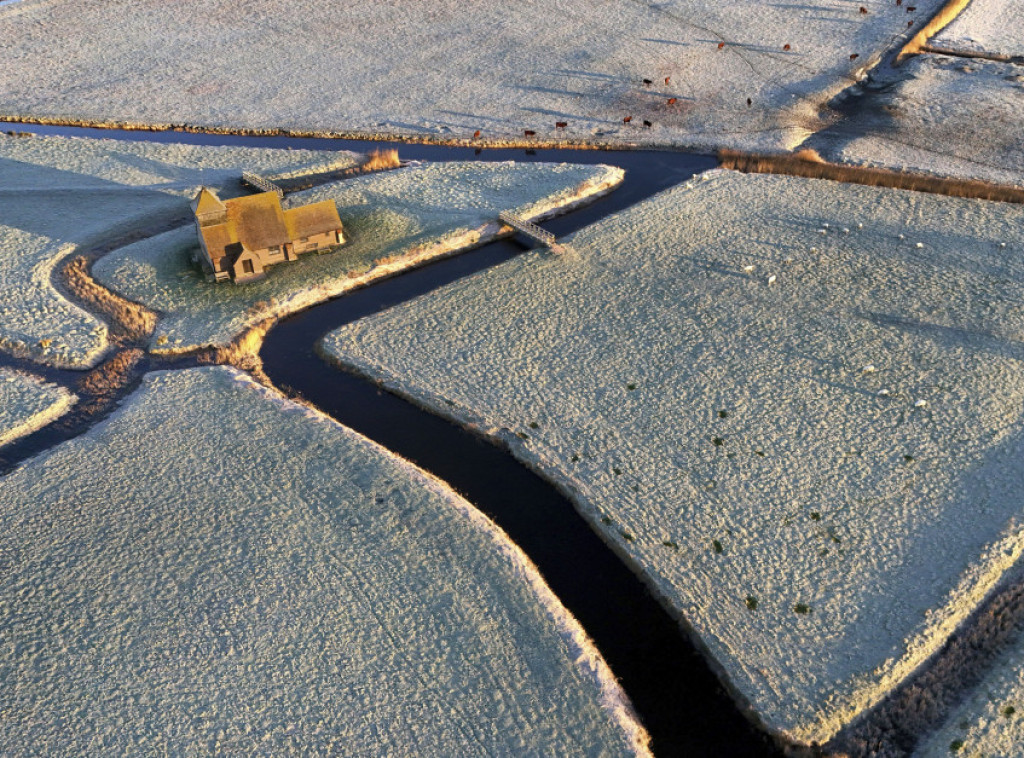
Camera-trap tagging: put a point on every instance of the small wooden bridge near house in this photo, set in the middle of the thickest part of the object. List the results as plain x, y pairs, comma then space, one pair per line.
257, 182
531, 230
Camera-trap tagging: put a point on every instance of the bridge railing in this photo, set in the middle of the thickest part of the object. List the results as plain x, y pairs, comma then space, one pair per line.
528, 228
258, 182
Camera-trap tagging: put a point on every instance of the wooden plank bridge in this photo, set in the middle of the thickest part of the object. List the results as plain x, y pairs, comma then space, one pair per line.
259, 183
531, 230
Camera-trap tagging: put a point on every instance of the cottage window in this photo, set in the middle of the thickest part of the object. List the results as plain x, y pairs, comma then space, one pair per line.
247, 266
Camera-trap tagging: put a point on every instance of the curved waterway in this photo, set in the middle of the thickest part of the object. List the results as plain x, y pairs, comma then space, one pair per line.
679, 699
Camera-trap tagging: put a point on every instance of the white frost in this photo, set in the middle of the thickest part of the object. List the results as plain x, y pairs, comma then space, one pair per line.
920, 122
986, 26
682, 407
990, 720
216, 569
444, 69
27, 403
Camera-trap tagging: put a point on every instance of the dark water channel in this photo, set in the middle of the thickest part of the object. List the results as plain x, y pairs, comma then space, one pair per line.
676, 695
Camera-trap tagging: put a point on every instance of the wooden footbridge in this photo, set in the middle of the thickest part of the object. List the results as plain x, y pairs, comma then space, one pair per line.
531, 230
257, 182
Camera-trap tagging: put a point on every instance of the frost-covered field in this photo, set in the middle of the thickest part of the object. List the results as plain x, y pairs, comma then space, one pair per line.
794, 404
990, 721
216, 569
945, 115
445, 68
28, 403
986, 26
393, 220
60, 194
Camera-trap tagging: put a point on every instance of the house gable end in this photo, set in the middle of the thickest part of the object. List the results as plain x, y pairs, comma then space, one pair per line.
208, 208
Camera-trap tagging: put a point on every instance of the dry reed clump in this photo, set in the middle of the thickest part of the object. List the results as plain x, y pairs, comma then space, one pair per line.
378, 160
809, 155
810, 165
939, 21
103, 384
243, 352
381, 159
135, 321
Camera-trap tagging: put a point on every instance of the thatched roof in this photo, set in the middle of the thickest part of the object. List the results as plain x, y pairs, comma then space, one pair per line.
258, 222
218, 237
312, 219
207, 202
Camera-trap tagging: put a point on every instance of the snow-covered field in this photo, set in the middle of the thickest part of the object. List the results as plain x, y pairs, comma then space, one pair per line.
216, 569
990, 721
36, 321
986, 26
447, 68
28, 403
795, 405
393, 220
947, 115
944, 115
58, 195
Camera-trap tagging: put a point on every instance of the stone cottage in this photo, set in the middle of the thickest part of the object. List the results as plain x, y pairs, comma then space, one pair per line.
239, 238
